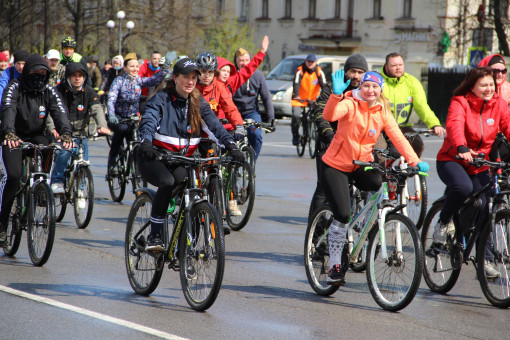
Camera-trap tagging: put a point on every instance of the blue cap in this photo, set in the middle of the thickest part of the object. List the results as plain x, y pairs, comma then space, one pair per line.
372, 76
311, 57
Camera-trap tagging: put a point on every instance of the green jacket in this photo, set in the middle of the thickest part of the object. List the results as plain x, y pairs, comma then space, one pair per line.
404, 94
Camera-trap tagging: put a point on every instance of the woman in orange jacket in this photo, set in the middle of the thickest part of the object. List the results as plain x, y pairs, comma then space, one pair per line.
361, 115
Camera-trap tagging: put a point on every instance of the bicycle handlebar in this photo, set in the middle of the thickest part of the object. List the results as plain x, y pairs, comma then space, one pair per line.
479, 161
267, 127
130, 119
169, 157
408, 172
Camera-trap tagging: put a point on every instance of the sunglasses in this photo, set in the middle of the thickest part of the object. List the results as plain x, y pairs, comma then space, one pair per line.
503, 71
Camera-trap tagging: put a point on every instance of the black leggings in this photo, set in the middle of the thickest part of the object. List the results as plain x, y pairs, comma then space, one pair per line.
157, 174
335, 184
120, 131
12, 162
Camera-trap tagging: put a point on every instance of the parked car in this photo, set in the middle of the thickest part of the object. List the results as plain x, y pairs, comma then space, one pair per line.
279, 80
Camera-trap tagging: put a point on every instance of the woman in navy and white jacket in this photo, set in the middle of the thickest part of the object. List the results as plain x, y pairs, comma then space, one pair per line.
174, 119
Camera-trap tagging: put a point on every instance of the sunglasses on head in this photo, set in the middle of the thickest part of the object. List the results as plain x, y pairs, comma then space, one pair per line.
503, 71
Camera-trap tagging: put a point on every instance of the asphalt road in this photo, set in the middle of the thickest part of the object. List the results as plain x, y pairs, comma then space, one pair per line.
83, 291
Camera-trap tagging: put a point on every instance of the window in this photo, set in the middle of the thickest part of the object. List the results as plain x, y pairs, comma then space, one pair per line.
312, 7
288, 9
198, 8
408, 7
337, 9
377, 9
265, 9
220, 7
243, 10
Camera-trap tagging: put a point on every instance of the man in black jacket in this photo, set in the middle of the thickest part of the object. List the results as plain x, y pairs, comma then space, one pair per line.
26, 103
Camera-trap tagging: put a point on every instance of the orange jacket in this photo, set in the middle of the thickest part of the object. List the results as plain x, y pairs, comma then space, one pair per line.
220, 99
358, 129
307, 85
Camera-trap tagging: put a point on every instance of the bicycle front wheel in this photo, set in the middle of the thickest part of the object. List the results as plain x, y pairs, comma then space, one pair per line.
202, 256
41, 225
393, 282
302, 137
439, 271
317, 251
312, 147
240, 188
83, 197
496, 289
14, 229
116, 182
215, 195
249, 155
144, 269
416, 199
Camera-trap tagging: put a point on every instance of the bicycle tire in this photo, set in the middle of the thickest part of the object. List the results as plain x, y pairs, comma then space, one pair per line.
417, 204
41, 225
249, 154
496, 290
202, 258
382, 276
14, 229
215, 195
444, 280
143, 269
136, 177
241, 179
117, 183
312, 142
84, 182
316, 255
60, 207
302, 137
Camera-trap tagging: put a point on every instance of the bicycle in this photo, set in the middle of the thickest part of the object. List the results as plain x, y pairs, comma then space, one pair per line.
125, 168
304, 131
243, 144
394, 251
444, 262
194, 242
33, 209
78, 188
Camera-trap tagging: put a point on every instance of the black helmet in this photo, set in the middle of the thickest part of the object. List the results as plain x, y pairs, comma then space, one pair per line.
207, 61
68, 42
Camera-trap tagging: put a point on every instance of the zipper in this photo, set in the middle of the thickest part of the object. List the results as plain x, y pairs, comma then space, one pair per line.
481, 126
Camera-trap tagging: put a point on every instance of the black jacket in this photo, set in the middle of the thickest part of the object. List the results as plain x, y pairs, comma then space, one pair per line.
25, 110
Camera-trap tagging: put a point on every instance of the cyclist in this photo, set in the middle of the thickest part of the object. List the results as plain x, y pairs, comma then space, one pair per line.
57, 70
405, 92
174, 119
95, 72
4, 62
354, 68
475, 115
362, 113
308, 82
112, 73
26, 103
13, 72
498, 65
68, 54
82, 102
123, 101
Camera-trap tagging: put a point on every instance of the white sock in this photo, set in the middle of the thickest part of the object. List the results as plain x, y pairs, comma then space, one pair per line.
336, 239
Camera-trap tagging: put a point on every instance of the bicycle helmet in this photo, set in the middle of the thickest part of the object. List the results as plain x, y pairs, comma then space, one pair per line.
68, 42
207, 61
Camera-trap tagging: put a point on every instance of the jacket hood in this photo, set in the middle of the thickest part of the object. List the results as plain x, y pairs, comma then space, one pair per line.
222, 62
73, 67
485, 61
33, 62
391, 80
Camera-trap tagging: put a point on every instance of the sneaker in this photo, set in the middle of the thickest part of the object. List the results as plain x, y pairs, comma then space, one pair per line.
490, 270
442, 230
3, 239
336, 275
295, 140
154, 243
82, 201
57, 188
234, 210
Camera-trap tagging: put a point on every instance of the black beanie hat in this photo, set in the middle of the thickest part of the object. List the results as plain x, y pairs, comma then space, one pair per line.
21, 55
356, 61
496, 60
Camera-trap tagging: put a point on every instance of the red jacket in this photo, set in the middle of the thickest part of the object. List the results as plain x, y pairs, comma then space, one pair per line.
236, 79
145, 71
220, 99
474, 123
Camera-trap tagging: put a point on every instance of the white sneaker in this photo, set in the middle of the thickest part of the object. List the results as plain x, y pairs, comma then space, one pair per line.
234, 210
441, 231
57, 188
82, 202
490, 270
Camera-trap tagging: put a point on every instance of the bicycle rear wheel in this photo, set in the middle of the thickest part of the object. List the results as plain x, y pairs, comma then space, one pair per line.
241, 188
249, 154
316, 252
416, 200
202, 256
14, 229
302, 136
438, 272
312, 147
496, 290
215, 195
393, 282
144, 269
116, 182
83, 193
60, 207
41, 225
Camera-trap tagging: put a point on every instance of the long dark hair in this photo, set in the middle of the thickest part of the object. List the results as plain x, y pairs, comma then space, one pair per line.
471, 79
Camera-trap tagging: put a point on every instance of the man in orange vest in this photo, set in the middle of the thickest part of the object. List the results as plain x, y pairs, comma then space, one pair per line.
308, 83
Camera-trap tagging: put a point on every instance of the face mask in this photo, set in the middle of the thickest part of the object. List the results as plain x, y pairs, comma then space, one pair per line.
37, 81
117, 67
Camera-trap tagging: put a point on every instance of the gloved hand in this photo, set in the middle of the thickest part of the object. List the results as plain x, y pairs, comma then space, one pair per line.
234, 151
12, 140
240, 132
147, 150
67, 141
112, 119
161, 61
423, 166
339, 85
169, 59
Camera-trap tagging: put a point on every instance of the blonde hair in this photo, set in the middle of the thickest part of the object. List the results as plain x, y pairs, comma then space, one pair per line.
241, 51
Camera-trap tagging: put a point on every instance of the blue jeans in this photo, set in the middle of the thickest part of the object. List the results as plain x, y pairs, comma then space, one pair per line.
63, 158
254, 134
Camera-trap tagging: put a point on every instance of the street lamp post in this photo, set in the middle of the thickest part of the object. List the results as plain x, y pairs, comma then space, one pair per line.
129, 25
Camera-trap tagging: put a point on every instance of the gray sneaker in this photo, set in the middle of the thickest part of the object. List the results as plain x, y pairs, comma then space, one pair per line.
442, 230
490, 270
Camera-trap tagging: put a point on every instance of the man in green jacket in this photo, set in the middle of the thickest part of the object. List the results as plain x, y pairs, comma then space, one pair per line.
405, 92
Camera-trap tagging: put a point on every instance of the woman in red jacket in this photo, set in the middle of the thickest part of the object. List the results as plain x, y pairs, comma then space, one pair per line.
475, 115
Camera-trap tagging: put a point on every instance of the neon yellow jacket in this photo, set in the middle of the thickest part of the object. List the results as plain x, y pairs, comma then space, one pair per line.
404, 94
